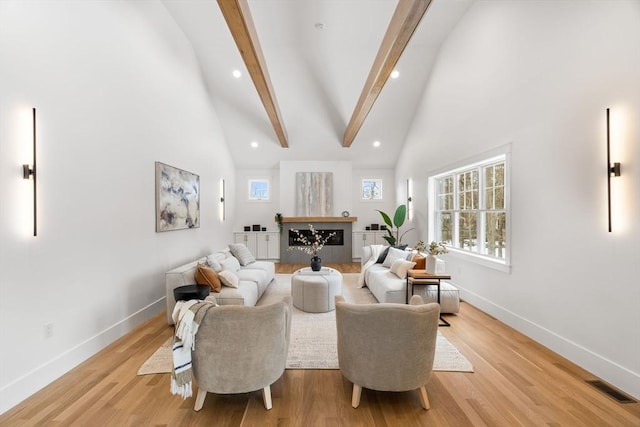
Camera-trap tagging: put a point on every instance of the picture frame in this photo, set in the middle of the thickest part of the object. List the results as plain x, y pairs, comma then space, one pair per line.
177, 198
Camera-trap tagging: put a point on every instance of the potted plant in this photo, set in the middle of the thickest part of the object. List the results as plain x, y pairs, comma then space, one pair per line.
278, 219
312, 245
435, 249
398, 220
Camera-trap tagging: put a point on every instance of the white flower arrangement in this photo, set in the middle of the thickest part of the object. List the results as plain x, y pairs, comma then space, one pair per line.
437, 248
312, 245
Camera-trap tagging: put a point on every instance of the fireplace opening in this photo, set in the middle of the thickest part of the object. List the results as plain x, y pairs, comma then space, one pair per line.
335, 240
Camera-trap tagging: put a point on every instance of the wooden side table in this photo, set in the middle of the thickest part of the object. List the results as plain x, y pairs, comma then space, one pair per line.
421, 277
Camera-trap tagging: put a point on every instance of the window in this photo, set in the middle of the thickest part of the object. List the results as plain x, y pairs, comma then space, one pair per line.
470, 209
371, 189
259, 189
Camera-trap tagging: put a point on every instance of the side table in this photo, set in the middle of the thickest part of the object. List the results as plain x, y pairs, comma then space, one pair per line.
421, 277
187, 292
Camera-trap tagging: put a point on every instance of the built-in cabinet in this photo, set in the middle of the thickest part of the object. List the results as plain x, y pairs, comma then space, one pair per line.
364, 238
262, 244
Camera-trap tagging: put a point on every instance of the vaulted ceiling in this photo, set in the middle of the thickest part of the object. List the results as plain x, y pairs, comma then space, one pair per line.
316, 58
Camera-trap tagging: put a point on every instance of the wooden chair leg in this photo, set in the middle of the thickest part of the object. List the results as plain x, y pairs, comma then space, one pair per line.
266, 396
424, 397
355, 397
200, 399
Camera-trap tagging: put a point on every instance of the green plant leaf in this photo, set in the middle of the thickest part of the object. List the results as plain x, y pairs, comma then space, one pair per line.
385, 218
400, 215
391, 239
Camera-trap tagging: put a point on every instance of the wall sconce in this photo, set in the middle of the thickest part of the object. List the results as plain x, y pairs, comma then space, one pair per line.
222, 201
613, 170
30, 172
409, 201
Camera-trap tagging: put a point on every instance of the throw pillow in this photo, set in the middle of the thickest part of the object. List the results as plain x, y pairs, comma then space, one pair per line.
395, 254
383, 254
229, 279
230, 264
242, 253
214, 263
401, 266
206, 276
420, 261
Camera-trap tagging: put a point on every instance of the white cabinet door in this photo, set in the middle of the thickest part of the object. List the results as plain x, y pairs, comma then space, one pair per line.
361, 239
268, 245
249, 240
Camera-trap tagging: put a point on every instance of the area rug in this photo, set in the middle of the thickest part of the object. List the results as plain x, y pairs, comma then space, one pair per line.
313, 335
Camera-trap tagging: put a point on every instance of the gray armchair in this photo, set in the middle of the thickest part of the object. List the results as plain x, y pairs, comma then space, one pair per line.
387, 347
241, 349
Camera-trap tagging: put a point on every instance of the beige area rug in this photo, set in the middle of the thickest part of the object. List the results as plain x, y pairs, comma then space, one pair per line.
313, 335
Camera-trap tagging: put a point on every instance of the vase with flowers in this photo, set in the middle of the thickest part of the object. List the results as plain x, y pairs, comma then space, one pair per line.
311, 242
435, 249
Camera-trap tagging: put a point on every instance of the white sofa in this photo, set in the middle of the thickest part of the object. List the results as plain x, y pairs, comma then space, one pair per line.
387, 287
254, 280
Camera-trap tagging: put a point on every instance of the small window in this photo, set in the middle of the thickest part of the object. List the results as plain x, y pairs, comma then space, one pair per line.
259, 189
372, 189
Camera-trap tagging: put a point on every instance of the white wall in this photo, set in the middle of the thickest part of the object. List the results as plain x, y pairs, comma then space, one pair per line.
261, 212
283, 187
539, 75
342, 173
115, 92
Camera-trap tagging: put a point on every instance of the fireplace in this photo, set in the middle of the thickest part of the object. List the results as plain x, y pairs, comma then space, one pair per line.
337, 249
336, 240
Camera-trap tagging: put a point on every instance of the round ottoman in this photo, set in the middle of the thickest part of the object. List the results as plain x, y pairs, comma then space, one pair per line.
315, 292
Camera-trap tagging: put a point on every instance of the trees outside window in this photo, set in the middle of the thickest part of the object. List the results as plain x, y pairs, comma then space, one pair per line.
470, 208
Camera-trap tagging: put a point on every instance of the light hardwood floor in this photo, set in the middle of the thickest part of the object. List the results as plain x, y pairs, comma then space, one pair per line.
516, 382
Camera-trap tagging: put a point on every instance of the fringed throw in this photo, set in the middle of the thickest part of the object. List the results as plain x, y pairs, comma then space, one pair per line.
187, 316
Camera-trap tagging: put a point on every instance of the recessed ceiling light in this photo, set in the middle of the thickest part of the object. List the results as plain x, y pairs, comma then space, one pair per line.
237, 74
395, 74
254, 144
376, 143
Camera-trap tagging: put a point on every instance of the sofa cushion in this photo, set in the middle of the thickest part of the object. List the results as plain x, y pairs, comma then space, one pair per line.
230, 264
393, 255
207, 276
229, 278
420, 261
383, 254
214, 263
241, 253
401, 266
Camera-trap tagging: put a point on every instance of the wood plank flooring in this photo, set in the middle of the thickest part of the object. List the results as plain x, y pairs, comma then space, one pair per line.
516, 382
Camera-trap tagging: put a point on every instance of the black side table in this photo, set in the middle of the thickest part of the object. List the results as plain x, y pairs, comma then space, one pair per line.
185, 293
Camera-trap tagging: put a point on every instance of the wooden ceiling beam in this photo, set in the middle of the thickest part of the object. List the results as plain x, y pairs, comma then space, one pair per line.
240, 23
404, 22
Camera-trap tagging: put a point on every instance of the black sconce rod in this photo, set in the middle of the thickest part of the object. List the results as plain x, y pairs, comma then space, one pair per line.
608, 172
612, 170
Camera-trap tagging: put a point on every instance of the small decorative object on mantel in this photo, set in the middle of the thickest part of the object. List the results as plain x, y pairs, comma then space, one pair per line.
435, 249
255, 227
247, 228
312, 244
278, 219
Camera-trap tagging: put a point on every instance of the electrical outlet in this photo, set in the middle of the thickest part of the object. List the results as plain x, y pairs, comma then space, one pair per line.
48, 330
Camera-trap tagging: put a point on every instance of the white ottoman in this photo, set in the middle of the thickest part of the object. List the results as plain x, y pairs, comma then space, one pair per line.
315, 292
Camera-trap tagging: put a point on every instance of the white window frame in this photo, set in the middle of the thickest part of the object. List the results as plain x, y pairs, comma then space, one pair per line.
251, 197
479, 162
379, 182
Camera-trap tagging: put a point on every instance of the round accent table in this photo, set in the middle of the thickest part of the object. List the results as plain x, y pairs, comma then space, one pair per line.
187, 292
315, 291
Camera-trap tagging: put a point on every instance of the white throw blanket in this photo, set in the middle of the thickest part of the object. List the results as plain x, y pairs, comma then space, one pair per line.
375, 253
187, 316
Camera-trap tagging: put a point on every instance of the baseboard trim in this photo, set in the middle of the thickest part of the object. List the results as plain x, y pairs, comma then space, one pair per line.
33, 381
619, 376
